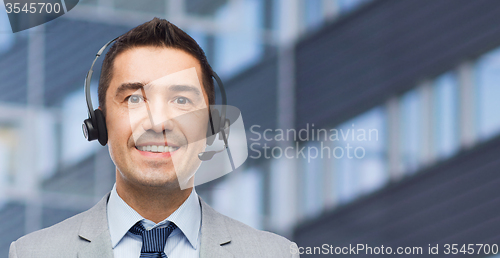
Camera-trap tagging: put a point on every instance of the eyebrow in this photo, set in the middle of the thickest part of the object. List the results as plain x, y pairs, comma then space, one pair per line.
129, 86
180, 88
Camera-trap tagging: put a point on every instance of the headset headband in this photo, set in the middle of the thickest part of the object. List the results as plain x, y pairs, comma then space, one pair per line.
95, 126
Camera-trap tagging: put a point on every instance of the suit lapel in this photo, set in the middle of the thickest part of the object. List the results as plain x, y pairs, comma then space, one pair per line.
94, 230
214, 234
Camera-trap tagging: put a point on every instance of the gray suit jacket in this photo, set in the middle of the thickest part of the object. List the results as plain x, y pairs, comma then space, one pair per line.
86, 235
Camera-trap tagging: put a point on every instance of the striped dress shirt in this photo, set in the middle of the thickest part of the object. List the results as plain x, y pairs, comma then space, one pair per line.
184, 241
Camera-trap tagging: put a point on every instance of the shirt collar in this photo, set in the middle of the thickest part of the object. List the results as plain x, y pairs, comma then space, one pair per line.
121, 217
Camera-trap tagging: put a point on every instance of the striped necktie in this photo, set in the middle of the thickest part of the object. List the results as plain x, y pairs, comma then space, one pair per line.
154, 240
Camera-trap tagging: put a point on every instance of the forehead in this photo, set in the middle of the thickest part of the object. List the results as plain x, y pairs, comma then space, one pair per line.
146, 64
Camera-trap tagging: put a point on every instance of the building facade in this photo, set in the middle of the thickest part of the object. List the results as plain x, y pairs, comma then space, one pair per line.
368, 122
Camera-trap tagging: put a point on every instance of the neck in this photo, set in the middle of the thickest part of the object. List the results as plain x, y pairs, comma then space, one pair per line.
153, 203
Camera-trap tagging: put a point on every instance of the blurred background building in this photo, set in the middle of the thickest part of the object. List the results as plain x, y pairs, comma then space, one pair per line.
421, 74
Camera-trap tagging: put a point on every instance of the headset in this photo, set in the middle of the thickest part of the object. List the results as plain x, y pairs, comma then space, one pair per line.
94, 127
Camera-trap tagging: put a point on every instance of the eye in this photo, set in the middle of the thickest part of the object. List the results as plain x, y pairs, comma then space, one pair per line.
182, 101
135, 99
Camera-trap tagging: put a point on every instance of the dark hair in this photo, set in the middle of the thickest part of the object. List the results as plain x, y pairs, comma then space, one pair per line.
155, 33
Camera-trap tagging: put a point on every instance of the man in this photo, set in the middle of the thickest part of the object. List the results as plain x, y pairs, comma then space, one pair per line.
154, 91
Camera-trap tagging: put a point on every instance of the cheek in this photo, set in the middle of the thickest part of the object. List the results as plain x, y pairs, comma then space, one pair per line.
118, 126
196, 129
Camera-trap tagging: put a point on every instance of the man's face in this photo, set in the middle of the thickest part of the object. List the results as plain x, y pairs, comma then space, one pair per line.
156, 117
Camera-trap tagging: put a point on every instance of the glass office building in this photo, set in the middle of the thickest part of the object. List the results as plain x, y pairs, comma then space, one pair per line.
399, 100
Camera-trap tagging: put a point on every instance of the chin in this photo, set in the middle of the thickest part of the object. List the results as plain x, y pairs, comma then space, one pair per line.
149, 178
160, 183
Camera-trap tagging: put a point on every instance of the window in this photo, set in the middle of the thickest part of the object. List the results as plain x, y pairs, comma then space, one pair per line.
445, 116
240, 196
363, 166
6, 35
411, 135
146, 6
47, 143
346, 177
21, 166
75, 147
313, 13
240, 45
312, 177
487, 93
350, 5
9, 142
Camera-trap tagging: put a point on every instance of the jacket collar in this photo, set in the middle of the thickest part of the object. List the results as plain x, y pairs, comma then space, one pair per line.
94, 229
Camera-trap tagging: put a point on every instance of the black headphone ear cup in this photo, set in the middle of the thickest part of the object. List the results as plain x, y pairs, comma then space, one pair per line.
89, 131
101, 127
213, 125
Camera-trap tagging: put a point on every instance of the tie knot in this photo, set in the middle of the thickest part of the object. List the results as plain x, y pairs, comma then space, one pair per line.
154, 240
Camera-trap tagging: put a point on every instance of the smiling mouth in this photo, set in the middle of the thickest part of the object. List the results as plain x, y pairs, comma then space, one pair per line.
156, 148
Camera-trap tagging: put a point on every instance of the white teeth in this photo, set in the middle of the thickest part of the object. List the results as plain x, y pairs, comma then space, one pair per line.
156, 148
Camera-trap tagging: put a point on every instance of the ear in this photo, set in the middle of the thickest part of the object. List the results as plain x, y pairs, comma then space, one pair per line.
102, 111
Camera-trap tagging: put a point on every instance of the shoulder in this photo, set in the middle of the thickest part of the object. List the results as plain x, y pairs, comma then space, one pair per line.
258, 242
47, 240
239, 230
247, 241
64, 238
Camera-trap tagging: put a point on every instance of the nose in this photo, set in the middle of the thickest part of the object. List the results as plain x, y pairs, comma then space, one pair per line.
158, 116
